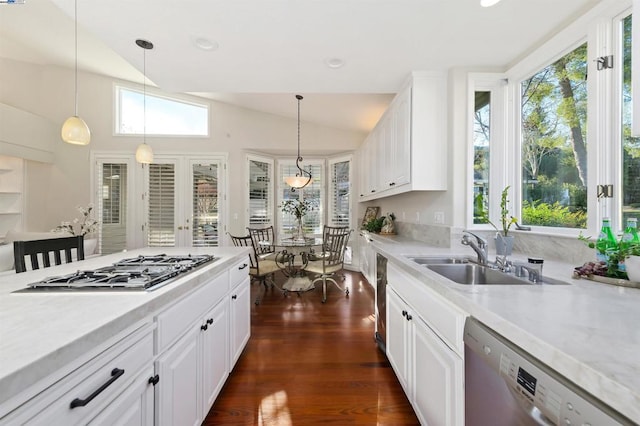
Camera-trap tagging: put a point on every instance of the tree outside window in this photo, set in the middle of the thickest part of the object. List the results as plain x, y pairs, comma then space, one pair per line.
554, 143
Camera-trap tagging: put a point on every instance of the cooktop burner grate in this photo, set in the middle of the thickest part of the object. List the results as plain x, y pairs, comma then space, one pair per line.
138, 273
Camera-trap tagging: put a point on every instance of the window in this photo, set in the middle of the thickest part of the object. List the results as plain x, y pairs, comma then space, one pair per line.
205, 180
261, 193
481, 139
164, 115
339, 192
312, 222
629, 205
554, 143
162, 178
112, 178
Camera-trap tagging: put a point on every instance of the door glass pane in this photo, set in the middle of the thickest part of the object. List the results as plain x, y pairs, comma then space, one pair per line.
630, 145
112, 207
161, 228
260, 193
481, 139
313, 192
554, 143
205, 205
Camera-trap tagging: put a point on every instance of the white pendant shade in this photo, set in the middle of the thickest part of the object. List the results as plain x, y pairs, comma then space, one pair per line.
298, 181
75, 131
144, 154
488, 3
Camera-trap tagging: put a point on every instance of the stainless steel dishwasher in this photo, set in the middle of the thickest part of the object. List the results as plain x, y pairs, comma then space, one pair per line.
505, 386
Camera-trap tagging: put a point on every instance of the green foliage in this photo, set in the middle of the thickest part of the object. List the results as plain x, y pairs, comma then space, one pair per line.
299, 208
506, 220
374, 225
545, 214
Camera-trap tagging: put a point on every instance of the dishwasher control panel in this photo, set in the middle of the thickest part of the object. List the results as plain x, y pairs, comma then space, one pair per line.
543, 396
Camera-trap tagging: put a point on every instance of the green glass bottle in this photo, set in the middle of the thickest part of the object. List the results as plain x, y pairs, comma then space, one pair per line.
629, 239
606, 241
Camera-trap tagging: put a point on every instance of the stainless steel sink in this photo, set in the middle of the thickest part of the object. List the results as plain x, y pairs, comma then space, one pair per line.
439, 260
473, 274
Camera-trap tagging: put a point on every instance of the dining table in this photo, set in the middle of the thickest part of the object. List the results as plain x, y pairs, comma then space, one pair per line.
292, 255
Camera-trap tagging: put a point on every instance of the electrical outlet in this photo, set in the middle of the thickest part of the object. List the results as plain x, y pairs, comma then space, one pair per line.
438, 217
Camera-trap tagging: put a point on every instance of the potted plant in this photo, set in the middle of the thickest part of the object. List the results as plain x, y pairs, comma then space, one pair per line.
85, 226
504, 241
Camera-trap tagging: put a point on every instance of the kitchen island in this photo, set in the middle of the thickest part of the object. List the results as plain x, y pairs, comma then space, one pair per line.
586, 331
46, 336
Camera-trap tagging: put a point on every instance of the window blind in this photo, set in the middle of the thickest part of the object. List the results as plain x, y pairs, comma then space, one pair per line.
313, 220
260, 193
112, 207
161, 226
205, 205
339, 194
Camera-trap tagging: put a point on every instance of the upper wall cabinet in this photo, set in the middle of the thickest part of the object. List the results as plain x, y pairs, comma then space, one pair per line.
407, 150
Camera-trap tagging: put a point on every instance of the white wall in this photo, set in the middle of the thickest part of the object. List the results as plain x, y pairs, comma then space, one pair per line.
53, 191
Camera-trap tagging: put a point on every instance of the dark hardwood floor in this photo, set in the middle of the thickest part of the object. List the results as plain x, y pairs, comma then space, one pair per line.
309, 363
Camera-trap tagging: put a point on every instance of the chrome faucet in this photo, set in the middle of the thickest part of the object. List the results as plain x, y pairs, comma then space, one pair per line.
479, 245
532, 272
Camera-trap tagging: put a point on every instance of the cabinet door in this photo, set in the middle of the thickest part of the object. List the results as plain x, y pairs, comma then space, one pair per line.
400, 160
437, 379
134, 407
177, 400
240, 320
214, 349
397, 341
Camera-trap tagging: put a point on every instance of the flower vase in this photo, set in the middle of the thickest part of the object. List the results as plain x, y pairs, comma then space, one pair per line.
298, 234
504, 245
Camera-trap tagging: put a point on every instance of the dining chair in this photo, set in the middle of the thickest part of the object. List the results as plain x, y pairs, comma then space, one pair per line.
262, 270
327, 264
264, 241
38, 250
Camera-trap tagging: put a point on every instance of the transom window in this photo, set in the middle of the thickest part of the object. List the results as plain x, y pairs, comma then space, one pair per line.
163, 115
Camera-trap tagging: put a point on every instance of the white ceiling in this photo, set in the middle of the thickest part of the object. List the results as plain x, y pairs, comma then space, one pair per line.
269, 50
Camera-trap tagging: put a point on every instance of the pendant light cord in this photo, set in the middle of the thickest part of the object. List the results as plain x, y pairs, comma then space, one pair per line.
76, 53
144, 96
298, 97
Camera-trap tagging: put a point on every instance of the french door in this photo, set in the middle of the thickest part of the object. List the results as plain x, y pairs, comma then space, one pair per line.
175, 201
183, 201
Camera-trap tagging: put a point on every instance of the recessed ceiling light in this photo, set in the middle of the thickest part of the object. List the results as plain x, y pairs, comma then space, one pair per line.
334, 62
488, 3
205, 44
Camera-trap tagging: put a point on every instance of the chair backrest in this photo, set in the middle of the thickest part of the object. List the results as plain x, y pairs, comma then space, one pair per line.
245, 241
263, 234
33, 248
334, 244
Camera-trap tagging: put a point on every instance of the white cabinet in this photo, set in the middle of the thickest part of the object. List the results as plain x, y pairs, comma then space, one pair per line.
117, 377
199, 339
240, 324
428, 365
367, 259
407, 150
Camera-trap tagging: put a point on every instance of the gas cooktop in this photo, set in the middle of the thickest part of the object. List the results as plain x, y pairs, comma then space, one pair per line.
136, 273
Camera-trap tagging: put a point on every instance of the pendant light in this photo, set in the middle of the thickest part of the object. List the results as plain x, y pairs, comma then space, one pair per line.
144, 153
74, 130
302, 177
488, 3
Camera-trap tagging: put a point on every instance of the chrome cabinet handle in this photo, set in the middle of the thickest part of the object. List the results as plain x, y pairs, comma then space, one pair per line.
115, 375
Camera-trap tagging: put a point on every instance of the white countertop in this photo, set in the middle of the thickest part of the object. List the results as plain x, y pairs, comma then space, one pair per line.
42, 332
588, 332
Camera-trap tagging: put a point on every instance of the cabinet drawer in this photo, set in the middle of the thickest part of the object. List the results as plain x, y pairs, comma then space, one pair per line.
239, 272
89, 389
446, 320
173, 322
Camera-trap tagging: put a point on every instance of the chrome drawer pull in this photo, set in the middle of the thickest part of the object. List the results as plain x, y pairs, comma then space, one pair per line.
115, 375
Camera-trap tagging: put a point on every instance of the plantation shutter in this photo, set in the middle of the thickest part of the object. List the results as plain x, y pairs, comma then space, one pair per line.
205, 180
111, 207
260, 192
339, 193
161, 227
313, 220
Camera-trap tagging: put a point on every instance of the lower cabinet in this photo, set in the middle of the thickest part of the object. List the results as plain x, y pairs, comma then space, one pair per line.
367, 259
430, 372
240, 315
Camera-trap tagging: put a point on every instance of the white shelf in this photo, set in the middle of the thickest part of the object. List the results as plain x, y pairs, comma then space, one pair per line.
10, 213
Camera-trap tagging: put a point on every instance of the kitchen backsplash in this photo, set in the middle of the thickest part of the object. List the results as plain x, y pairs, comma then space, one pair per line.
565, 248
